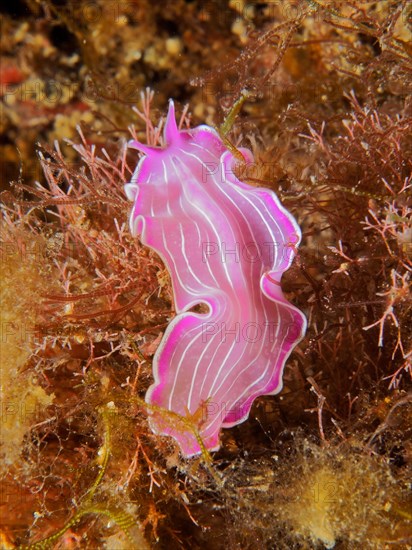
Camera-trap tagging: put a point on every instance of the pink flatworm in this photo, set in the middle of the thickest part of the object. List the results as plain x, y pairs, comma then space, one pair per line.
226, 245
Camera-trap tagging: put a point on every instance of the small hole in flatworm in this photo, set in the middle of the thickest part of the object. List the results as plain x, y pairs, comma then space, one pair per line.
200, 308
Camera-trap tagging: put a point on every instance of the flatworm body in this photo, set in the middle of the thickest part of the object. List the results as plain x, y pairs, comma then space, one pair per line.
226, 245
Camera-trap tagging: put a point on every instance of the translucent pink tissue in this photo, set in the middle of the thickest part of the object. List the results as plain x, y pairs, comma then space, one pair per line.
226, 245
